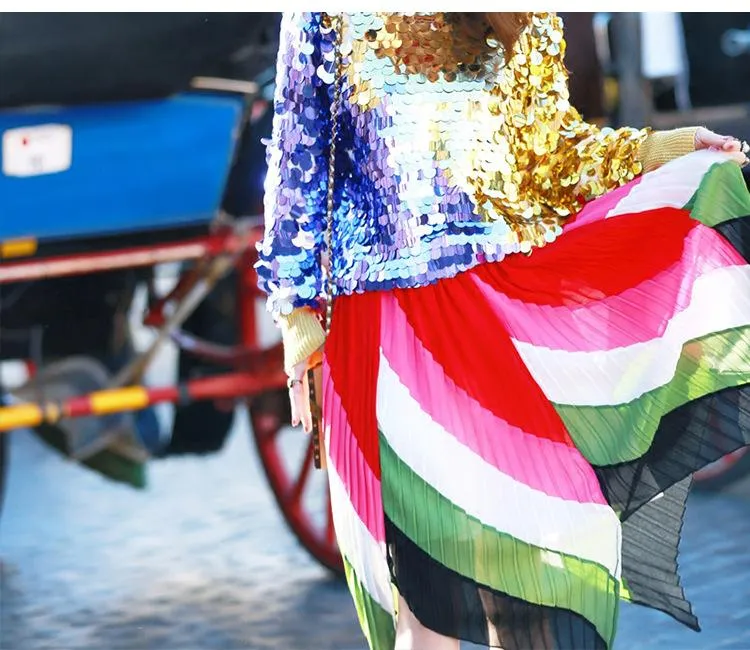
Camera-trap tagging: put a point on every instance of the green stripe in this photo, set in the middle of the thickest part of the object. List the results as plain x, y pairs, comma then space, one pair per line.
490, 557
722, 195
606, 435
378, 625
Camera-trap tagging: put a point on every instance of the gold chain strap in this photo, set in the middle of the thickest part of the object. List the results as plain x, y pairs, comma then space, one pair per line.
328, 283
336, 25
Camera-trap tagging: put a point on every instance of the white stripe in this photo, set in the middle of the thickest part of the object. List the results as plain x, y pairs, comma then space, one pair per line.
672, 185
720, 301
585, 530
366, 556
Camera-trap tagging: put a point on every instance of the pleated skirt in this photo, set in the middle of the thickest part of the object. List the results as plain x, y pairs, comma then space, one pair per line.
510, 450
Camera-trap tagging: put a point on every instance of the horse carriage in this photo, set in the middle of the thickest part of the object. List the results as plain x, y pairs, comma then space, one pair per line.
131, 145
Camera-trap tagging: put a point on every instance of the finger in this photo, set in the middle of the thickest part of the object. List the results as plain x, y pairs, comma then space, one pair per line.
732, 144
709, 140
302, 400
294, 389
295, 409
299, 399
738, 157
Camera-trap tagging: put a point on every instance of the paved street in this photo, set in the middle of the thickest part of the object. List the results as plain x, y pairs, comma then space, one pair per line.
201, 561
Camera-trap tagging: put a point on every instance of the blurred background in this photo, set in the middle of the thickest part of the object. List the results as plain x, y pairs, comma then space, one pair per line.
152, 496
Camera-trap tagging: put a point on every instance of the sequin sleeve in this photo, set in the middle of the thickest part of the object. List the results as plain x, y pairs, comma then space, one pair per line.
586, 161
296, 181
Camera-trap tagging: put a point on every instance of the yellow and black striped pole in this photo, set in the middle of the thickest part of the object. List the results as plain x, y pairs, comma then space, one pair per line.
135, 398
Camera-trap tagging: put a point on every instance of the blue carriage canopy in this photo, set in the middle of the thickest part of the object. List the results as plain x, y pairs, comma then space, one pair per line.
101, 132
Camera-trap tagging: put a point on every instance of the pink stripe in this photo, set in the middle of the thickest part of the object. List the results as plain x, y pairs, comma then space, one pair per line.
636, 315
598, 209
346, 457
550, 467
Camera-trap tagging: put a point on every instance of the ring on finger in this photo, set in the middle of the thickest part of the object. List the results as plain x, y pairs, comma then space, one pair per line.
292, 382
744, 147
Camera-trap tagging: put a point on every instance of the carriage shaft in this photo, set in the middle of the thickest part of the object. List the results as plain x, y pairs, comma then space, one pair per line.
134, 398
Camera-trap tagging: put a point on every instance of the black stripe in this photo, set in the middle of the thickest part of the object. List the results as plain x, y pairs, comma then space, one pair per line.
457, 607
649, 555
688, 439
737, 232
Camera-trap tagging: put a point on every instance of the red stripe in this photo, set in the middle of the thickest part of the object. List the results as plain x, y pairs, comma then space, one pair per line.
77, 407
603, 259
346, 460
353, 355
455, 323
635, 315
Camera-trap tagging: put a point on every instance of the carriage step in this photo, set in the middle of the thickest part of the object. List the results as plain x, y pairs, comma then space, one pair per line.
58, 383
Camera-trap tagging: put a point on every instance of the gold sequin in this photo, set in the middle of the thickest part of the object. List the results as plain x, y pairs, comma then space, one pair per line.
563, 158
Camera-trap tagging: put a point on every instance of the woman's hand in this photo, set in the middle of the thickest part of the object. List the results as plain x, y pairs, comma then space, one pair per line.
705, 139
299, 391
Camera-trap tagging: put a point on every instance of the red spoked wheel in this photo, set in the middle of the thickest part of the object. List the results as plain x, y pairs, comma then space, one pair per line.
301, 491
724, 472
732, 467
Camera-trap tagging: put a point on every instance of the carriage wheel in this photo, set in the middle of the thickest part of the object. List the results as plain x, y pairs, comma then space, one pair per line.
732, 467
724, 472
300, 490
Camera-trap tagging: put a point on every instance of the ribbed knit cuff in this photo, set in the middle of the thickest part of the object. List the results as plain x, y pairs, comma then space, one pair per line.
302, 335
662, 146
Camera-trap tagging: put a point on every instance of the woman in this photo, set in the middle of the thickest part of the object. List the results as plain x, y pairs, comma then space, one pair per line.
518, 381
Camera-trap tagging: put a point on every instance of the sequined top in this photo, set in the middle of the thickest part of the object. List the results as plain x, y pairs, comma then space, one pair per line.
450, 152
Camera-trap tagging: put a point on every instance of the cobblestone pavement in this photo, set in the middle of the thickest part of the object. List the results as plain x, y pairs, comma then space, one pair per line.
202, 561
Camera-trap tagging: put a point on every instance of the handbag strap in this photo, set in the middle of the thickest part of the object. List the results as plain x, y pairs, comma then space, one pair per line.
336, 25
